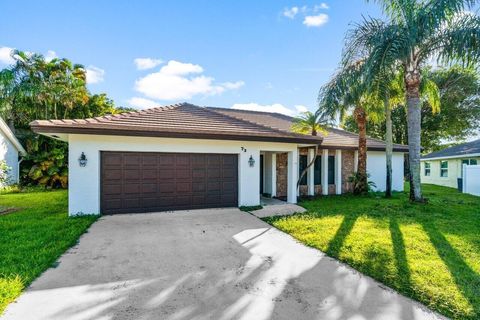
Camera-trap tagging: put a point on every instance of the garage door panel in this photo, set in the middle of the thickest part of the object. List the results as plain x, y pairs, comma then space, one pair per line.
165, 174
149, 174
182, 160
213, 186
183, 173
112, 189
112, 174
149, 160
166, 187
132, 159
183, 187
149, 188
143, 182
166, 159
112, 159
199, 187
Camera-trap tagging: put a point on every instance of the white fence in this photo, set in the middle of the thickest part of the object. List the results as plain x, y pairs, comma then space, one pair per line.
471, 179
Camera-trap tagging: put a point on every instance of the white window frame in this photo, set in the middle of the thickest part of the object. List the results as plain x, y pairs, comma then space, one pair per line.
469, 161
443, 169
429, 168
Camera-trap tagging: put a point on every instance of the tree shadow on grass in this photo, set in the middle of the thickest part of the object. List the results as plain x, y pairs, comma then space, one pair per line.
466, 279
336, 243
399, 251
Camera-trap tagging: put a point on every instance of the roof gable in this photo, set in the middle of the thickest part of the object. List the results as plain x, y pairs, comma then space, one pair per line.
11, 137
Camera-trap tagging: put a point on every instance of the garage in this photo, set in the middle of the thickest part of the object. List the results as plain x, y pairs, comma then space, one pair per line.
134, 182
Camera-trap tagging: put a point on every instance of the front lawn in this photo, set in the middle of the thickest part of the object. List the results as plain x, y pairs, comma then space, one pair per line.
428, 252
33, 237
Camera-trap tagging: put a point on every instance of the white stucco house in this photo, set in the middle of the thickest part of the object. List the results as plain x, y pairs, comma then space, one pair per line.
445, 167
10, 150
185, 157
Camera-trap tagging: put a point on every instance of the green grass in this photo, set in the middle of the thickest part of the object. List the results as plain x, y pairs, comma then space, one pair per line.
429, 252
32, 238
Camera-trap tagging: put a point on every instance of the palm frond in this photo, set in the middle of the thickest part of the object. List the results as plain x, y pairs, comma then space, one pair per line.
459, 40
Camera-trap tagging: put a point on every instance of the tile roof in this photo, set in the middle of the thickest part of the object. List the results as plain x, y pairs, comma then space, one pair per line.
180, 121
464, 149
185, 120
336, 138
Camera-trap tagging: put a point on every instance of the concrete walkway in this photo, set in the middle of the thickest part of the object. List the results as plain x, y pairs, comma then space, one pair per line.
205, 264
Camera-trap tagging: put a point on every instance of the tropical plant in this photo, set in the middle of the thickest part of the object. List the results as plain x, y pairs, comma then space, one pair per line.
34, 88
311, 123
4, 174
457, 119
392, 92
346, 92
357, 178
416, 32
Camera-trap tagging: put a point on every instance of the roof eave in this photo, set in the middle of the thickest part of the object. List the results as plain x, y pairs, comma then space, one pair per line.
41, 129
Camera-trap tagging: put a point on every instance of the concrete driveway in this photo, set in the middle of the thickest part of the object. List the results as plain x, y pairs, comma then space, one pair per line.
204, 264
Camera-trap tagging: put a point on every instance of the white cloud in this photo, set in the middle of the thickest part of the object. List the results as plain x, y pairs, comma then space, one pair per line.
146, 63
316, 21
50, 55
300, 108
177, 80
176, 68
142, 103
6, 55
233, 85
276, 108
94, 74
321, 6
290, 12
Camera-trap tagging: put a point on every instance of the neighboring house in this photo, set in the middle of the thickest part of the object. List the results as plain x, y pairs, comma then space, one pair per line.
185, 156
10, 148
444, 167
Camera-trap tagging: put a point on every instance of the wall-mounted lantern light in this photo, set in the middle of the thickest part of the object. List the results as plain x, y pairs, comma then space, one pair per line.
251, 161
82, 161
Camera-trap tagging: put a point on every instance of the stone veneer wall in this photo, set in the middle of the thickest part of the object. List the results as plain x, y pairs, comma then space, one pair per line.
282, 162
348, 166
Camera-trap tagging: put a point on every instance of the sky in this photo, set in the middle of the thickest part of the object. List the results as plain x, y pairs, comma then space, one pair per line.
260, 55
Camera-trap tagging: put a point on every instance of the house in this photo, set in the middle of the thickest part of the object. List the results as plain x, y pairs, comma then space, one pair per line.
185, 156
444, 167
10, 148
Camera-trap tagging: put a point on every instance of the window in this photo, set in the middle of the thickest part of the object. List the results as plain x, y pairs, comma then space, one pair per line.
317, 169
331, 169
444, 169
470, 162
302, 164
427, 169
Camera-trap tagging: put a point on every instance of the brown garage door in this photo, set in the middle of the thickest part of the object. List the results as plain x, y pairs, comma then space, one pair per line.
148, 182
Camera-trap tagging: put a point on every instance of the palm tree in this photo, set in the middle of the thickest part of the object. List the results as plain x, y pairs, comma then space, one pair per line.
311, 123
349, 91
417, 31
392, 92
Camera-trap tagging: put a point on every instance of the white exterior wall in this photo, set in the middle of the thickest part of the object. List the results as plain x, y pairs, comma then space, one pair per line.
376, 167
9, 154
84, 182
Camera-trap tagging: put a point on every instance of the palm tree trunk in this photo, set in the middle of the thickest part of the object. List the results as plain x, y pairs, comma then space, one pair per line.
361, 119
412, 84
388, 147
